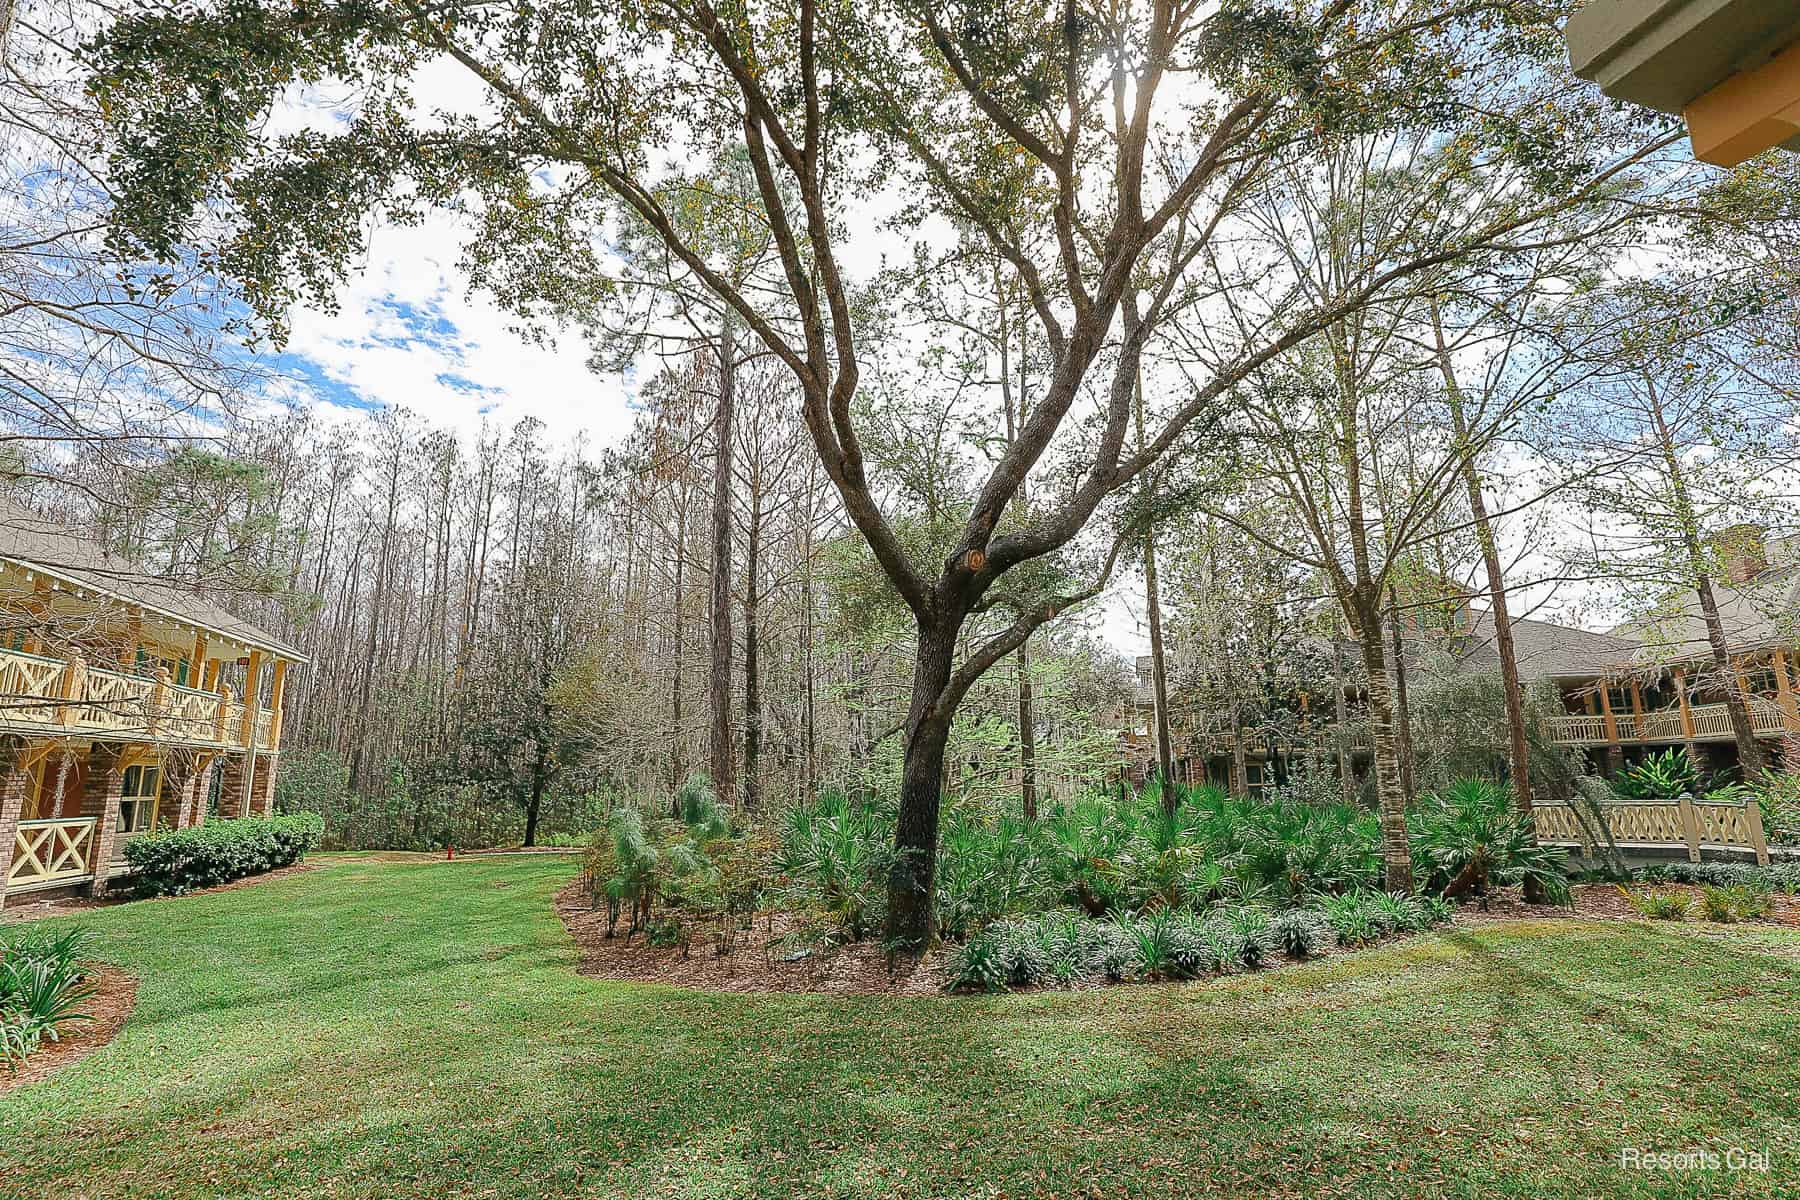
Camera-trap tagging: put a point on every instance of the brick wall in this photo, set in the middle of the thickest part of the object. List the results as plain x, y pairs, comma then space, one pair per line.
13, 784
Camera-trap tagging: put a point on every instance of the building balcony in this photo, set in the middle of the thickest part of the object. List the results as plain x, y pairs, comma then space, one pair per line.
53, 697
1710, 723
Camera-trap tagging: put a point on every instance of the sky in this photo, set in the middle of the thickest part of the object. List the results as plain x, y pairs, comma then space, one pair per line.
408, 333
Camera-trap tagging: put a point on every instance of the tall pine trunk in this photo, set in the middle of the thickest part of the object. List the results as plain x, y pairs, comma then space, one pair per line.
720, 756
1751, 763
753, 715
1518, 747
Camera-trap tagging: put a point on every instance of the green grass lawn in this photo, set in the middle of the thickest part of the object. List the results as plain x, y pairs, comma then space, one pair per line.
394, 1029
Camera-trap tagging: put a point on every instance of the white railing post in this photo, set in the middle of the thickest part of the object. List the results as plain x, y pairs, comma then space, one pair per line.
1690, 827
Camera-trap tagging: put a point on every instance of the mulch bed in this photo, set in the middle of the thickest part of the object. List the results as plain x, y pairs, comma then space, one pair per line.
109, 1006
760, 963
1603, 902
25, 909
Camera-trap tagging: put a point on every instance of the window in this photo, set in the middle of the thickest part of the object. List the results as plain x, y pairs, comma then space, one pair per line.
137, 798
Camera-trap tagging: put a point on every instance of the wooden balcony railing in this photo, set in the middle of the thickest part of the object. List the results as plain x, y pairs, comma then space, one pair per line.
57, 696
1712, 723
51, 852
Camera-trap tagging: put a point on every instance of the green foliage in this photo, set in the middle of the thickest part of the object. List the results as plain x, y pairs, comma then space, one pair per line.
1779, 876
1360, 918
669, 875
1661, 904
836, 853
312, 781
1302, 933
1738, 902
176, 861
1779, 796
42, 987
699, 807
1124, 852
1468, 838
1716, 905
988, 869
1666, 776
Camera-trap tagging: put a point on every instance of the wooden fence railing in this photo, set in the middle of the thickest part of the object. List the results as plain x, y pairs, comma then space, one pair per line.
1686, 823
52, 852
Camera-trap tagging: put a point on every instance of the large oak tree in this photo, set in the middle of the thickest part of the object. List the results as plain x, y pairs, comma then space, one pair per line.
1103, 149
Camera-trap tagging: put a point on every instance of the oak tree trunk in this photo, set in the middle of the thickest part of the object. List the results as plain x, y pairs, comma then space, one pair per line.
911, 919
1396, 853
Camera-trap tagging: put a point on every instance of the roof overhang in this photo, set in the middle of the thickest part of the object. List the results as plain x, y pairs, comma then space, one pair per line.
76, 585
1731, 68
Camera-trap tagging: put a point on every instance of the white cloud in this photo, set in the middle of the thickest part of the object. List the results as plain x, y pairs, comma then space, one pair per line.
407, 333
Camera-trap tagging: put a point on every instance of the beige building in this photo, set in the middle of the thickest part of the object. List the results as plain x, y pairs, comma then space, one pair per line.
126, 705
1731, 68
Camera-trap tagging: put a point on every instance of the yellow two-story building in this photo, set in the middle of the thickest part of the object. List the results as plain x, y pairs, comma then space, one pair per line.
126, 704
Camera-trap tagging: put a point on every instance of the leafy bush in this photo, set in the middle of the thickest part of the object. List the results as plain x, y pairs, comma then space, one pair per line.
1752, 902
1660, 904
1665, 776
1122, 853
1716, 905
1360, 918
177, 861
42, 985
1739, 902
1779, 796
698, 805
988, 869
664, 876
1468, 838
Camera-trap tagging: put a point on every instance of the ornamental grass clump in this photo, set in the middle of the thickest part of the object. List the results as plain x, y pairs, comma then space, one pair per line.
43, 983
1302, 933
177, 861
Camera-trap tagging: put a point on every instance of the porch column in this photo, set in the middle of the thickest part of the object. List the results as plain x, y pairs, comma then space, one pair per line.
203, 784
100, 800
179, 774
262, 801
231, 787
1615, 757
14, 779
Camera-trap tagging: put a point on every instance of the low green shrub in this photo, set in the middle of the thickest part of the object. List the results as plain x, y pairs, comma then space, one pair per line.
1779, 877
42, 986
179, 860
1469, 838
1066, 948
1302, 933
1359, 918
835, 854
1738, 902
1779, 796
1660, 904
1716, 905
